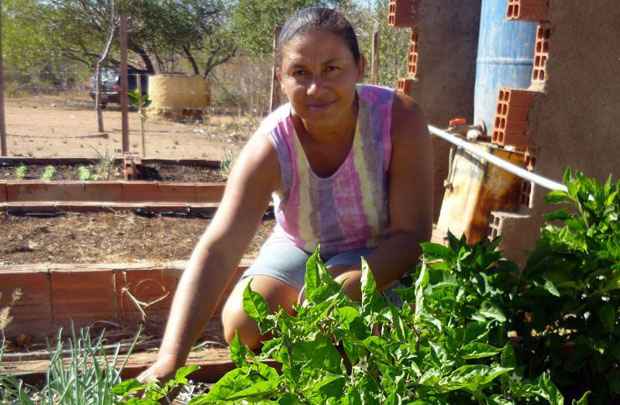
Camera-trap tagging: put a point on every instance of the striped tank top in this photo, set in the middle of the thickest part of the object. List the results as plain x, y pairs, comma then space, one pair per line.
349, 209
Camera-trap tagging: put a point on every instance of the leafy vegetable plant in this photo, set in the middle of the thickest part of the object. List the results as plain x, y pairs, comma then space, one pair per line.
567, 311
446, 345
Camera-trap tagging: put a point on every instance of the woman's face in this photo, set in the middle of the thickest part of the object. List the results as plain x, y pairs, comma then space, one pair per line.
318, 74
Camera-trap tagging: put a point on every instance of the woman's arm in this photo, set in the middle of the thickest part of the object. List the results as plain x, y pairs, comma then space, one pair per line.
255, 175
410, 199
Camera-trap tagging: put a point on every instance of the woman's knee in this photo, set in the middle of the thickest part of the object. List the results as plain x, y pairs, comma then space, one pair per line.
235, 320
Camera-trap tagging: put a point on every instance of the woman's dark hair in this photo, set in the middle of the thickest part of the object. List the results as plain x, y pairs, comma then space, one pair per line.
318, 19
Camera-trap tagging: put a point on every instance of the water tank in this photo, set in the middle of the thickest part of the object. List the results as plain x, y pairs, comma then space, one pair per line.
176, 92
505, 57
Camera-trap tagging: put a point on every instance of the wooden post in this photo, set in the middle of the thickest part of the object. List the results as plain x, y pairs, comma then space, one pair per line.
141, 113
275, 89
123, 95
3, 149
374, 67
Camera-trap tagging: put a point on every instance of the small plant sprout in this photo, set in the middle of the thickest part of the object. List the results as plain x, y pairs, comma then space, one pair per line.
84, 173
48, 173
227, 163
21, 171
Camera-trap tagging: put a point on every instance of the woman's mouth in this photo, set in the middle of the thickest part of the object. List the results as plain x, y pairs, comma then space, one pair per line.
319, 106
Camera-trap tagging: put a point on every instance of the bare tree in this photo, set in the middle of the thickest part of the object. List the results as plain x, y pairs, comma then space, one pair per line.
101, 60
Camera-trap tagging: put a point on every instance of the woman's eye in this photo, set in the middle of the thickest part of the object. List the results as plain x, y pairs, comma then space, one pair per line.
299, 72
332, 68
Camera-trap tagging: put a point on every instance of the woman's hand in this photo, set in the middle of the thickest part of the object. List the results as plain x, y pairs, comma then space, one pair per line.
160, 372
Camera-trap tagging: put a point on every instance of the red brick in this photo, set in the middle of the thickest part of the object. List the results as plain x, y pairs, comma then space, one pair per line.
402, 13
499, 220
412, 59
405, 85
530, 10
541, 53
511, 120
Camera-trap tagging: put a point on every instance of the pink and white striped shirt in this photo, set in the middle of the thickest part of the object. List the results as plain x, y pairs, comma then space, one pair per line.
349, 209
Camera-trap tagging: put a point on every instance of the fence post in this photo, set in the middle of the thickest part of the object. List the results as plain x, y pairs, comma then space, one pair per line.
3, 150
123, 95
374, 66
274, 100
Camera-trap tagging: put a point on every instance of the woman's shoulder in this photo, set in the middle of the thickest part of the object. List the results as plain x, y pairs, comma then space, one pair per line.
408, 118
275, 118
375, 94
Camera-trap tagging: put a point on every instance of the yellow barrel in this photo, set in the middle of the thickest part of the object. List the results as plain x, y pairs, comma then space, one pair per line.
474, 189
176, 93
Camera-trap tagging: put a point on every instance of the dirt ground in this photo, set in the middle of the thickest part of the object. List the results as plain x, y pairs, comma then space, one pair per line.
66, 126
104, 238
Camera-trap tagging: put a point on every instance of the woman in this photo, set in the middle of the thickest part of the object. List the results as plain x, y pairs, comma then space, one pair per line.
349, 167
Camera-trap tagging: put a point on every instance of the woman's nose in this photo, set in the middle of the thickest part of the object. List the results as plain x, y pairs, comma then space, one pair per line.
314, 87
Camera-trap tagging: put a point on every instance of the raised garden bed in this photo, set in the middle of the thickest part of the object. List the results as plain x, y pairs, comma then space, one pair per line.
92, 169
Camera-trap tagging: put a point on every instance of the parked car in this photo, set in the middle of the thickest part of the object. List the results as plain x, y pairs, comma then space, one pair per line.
111, 84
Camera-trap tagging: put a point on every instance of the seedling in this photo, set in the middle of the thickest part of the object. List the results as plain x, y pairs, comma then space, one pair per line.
21, 171
48, 173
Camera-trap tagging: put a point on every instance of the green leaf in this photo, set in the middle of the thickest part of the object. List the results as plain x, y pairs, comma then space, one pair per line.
608, 316
478, 350
318, 282
127, 387
557, 197
255, 382
508, 357
551, 288
583, 400
548, 390
256, 307
559, 215
238, 351
436, 251
472, 378
491, 311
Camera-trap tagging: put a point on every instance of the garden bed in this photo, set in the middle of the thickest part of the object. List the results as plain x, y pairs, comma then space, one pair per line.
104, 237
109, 170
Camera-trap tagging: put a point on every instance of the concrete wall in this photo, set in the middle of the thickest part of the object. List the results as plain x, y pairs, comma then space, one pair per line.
444, 86
576, 122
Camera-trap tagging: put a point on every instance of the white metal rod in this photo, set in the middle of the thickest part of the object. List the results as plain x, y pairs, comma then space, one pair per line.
509, 167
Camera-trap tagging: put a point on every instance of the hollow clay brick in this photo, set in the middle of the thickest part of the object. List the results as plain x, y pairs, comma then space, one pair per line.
412, 60
401, 13
405, 85
530, 10
511, 120
541, 53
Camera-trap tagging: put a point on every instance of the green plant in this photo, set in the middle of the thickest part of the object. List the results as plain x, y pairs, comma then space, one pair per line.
84, 174
21, 171
103, 168
567, 310
227, 163
447, 344
48, 173
87, 377
132, 392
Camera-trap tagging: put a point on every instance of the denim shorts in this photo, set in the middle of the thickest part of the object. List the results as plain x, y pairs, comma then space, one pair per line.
281, 259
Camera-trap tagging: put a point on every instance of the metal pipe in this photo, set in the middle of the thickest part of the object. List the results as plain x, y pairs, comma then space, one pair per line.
509, 167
